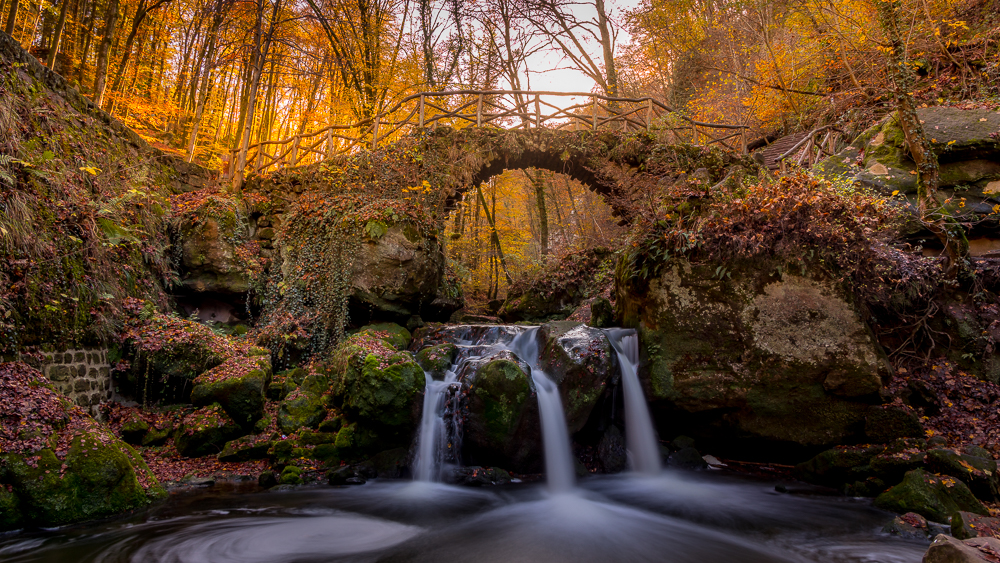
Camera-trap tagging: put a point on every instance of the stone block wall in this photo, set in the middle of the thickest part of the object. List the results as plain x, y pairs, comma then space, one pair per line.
82, 375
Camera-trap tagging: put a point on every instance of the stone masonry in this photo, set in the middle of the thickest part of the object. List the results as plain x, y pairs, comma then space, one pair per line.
82, 375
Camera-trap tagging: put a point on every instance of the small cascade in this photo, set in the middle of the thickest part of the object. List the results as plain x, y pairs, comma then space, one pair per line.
559, 470
433, 438
643, 447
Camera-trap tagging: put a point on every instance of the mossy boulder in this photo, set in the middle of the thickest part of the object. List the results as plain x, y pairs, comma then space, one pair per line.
980, 474
372, 381
935, 497
965, 525
58, 465
134, 429
290, 475
602, 313
238, 385
397, 336
245, 449
436, 360
206, 431
301, 409
582, 362
157, 434
757, 354
209, 237
836, 466
502, 424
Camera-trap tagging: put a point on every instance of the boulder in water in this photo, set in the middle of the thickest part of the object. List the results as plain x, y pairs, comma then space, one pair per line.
436, 360
238, 385
889, 422
978, 473
965, 525
935, 497
611, 451
946, 549
206, 431
755, 356
582, 362
502, 424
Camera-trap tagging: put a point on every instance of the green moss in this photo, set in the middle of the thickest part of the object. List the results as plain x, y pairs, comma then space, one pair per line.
242, 396
378, 390
300, 410
501, 390
206, 431
397, 336
437, 359
935, 497
97, 478
290, 475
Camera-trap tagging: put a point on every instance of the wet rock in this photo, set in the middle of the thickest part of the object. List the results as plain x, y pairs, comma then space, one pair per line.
205, 432
238, 385
978, 473
836, 466
346, 475
267, 479
290, 475
199, 481
611, 451
687, 458
682, 442
209, 261
965, 525
10, 513
502, 424
157, 435
582, 362
890, 422
910, 526
933, 496
476, 476
946, 549
708, 340
436, 360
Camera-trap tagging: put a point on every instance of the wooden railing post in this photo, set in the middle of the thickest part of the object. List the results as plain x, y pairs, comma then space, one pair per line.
421, 111
595, 113
479, 112
375, 132
294, 158
649, 113
743, 140
261, 153
538, 112
329, 143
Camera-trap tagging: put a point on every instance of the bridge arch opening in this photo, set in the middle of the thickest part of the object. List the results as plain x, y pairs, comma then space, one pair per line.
540, 216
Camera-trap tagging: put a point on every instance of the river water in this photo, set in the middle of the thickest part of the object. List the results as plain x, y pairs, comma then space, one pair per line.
671, 517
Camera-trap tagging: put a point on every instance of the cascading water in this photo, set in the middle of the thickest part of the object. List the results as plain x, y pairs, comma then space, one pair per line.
433, 428
559, 469
639, 433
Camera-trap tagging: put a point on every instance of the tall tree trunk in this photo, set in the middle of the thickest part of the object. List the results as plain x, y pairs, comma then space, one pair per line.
538, 182
494, 235
108, 37
11, 18
140, 13
57, 35
262, 45
206, 83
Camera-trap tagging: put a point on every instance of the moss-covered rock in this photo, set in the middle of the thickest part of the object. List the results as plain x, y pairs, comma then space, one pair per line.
933, 496
602, 313
436, 360
373, 382
582, 362
755, 352
397, 336
965, 525
58, 465
206, 431
300, 409
290, 475
245, 449
157, 434
500, 422
836, 466
978, 473
134, 429
238, 385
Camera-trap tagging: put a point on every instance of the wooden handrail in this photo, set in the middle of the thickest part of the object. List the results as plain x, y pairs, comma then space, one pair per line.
526, 106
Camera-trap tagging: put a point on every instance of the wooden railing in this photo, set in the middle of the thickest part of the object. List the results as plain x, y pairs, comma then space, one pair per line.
812, 148
508, 109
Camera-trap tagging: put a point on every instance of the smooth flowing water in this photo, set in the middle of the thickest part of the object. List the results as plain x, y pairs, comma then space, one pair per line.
431, 442
643, 447
559, 469
674, 518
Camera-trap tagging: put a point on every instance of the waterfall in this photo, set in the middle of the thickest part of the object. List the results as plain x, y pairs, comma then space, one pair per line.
639, 434
433, 430
559, 470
